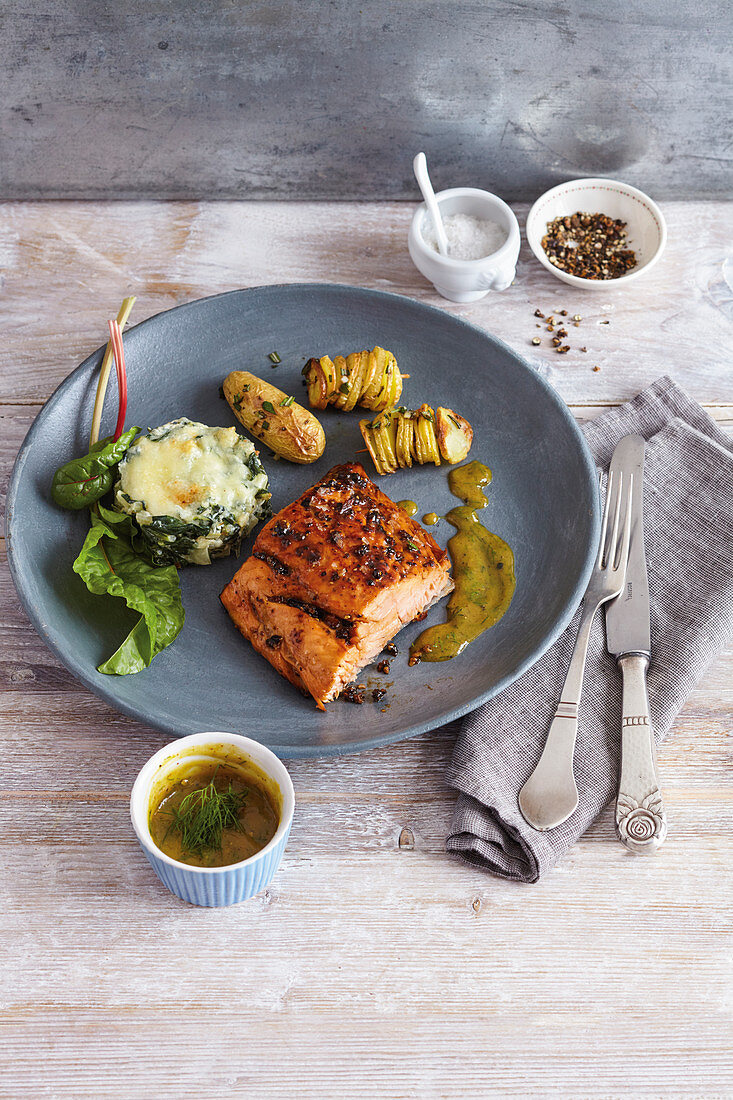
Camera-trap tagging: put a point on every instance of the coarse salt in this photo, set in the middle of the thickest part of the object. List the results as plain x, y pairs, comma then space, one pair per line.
469, 238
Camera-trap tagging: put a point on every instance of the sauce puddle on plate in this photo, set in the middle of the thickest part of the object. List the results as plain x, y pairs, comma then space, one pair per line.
483, 572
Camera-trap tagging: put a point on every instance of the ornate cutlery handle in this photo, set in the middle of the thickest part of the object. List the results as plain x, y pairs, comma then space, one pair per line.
641, 820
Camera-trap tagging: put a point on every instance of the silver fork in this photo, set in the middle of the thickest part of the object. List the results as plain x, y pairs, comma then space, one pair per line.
550, 795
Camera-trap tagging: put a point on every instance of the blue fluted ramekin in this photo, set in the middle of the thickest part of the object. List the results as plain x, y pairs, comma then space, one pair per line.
212, 886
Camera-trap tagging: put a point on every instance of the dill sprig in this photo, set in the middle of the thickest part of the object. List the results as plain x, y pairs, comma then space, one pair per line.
203, 815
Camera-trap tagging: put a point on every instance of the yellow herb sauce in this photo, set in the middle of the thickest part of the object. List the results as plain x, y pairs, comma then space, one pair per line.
257, 821
483, 572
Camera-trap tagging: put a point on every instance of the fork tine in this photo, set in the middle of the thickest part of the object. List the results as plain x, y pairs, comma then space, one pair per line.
613, 541
604, 524
623, 549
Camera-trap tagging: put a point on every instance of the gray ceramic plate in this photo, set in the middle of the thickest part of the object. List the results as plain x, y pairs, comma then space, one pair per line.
542, 501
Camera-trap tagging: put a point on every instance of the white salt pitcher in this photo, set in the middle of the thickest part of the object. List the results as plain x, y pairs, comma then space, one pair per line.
466, 280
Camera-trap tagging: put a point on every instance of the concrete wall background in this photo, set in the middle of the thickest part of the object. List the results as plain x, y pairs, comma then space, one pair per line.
331, 98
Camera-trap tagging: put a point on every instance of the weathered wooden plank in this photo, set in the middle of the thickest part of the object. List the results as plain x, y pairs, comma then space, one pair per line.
79, 1053
85, 257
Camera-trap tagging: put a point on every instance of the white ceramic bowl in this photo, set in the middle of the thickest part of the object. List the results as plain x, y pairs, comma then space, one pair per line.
647, 231
467, 280
214, 886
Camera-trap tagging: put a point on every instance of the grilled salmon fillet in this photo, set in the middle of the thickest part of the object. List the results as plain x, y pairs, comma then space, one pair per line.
332, 578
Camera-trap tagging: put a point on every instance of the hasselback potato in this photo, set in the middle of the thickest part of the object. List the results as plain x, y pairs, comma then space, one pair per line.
371, 379
398, 437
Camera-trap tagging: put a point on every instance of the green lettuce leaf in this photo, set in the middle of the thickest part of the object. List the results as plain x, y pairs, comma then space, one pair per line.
108, 565
80, 482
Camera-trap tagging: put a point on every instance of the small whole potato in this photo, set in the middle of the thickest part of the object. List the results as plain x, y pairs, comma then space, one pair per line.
274, 418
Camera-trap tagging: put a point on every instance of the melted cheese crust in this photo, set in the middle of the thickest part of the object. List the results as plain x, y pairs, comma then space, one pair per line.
190, 469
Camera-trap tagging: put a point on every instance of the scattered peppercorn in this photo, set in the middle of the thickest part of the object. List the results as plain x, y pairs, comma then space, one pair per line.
577, 317
583, 349
596, 368
536, 340
378, 693
383, 666
563, 349
391, 648
353, 693
589, 246
538, 313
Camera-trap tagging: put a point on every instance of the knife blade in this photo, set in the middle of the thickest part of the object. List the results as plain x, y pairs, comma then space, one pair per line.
641, 820
627, 617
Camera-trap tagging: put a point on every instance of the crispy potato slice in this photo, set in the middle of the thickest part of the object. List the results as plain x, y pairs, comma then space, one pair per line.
455, 434
316, 381
366, 430
405, 440
356, 366
384, 431
425, 439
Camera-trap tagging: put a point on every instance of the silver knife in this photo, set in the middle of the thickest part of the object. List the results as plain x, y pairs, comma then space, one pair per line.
641, 820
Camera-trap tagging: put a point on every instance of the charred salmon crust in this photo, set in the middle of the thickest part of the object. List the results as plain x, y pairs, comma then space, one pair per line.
332, 578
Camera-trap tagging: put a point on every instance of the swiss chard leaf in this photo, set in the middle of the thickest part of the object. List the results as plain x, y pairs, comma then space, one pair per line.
108, 564
84, 480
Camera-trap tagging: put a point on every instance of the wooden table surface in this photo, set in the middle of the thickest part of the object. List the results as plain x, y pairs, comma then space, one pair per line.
366, 969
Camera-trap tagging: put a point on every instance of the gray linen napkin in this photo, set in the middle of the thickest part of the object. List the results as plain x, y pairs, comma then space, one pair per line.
688, 519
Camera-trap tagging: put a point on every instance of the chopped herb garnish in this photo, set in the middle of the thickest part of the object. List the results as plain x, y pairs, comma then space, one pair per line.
411, 545
237, 401
268, 406
203, 815
344, 388
287, 402
453, 417
274, 358
265, 425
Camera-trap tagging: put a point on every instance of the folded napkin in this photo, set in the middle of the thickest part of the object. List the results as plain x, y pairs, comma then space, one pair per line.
688, 520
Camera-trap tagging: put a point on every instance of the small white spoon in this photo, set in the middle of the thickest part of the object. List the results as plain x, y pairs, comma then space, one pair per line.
420, 168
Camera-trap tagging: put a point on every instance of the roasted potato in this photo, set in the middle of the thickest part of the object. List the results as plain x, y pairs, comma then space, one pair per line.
274, 418
371, 379
455, 435
397, 437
